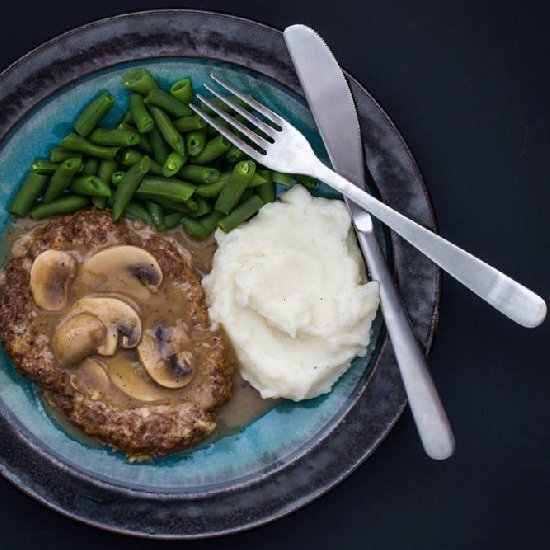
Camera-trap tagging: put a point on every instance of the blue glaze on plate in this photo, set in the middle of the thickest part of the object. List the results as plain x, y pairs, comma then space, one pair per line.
234, 459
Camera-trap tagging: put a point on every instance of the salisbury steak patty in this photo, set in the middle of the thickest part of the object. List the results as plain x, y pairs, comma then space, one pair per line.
140, 430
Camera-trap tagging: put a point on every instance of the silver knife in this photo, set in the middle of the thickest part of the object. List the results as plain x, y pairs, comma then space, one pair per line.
333, 109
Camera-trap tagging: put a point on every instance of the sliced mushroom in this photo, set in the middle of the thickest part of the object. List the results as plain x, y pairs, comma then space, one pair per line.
120, 318
129, 377
77, 337
165, 355
51, 273
123, 268
90, 378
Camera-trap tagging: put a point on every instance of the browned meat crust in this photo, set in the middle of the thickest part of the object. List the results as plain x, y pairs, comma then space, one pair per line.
141, 432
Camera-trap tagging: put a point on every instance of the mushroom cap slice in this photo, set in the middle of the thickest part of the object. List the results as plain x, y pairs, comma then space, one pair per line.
51, 273
123, 268
90, 378
129, 377
119, 317
77, 337
166, 356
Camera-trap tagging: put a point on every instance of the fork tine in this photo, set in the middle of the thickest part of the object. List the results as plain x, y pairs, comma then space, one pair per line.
252, 136
227, 134
249, 101
266, 129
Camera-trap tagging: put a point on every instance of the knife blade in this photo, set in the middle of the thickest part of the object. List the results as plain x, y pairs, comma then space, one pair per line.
331, 102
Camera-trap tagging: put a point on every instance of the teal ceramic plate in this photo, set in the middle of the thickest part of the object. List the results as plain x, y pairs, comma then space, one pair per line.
271, 466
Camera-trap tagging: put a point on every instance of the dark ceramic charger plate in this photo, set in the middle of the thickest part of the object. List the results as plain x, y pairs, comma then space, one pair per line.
290, 483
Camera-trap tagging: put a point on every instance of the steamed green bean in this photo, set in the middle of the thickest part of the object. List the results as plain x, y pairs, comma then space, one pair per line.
203, 206
126, 127
289, 179
117, 176
214, 189
94, 113
41, 166
167, 103
128, 118
266, 191
160, 148
212, 150
156, 213
99, 202
58, 154
168, 188
74, 142
236, 185
131, 157
192, 205
257, 180
90, 186
283, 179
234, 154
172, 220
122, 138
145, 144
90, 167
211, 189
199, 174
61, 179
182, 90
210, 222
248, 192
195, 142
59, 207
106, 170
30, 190
173, 164
137, 210
307, 181
175, 206
241, 214
140, 114
128, 185
168, 131
139, 80
189, 123
194, 228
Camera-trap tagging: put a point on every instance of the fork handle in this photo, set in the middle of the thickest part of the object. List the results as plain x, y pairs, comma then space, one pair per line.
506, 295
428, 412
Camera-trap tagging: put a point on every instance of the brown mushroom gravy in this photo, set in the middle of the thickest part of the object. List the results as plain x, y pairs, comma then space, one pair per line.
121, 379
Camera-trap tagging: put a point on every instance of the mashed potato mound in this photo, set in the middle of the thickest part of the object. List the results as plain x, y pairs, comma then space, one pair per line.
290, 289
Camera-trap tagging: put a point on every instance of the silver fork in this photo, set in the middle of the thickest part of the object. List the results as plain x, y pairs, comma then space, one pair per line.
285, 149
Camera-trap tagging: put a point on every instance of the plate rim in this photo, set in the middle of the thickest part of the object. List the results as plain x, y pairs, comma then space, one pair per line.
21, 485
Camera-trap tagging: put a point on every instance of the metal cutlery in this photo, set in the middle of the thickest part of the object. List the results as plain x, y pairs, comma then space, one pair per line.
283, 148
331, 103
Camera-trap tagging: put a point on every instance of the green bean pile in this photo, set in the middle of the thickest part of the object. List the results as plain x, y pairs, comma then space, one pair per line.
161, 164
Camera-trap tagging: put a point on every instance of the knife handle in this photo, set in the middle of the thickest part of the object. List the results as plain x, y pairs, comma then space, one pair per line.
430, 418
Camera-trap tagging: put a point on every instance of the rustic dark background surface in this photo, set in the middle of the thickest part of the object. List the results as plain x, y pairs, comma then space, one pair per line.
467, 84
